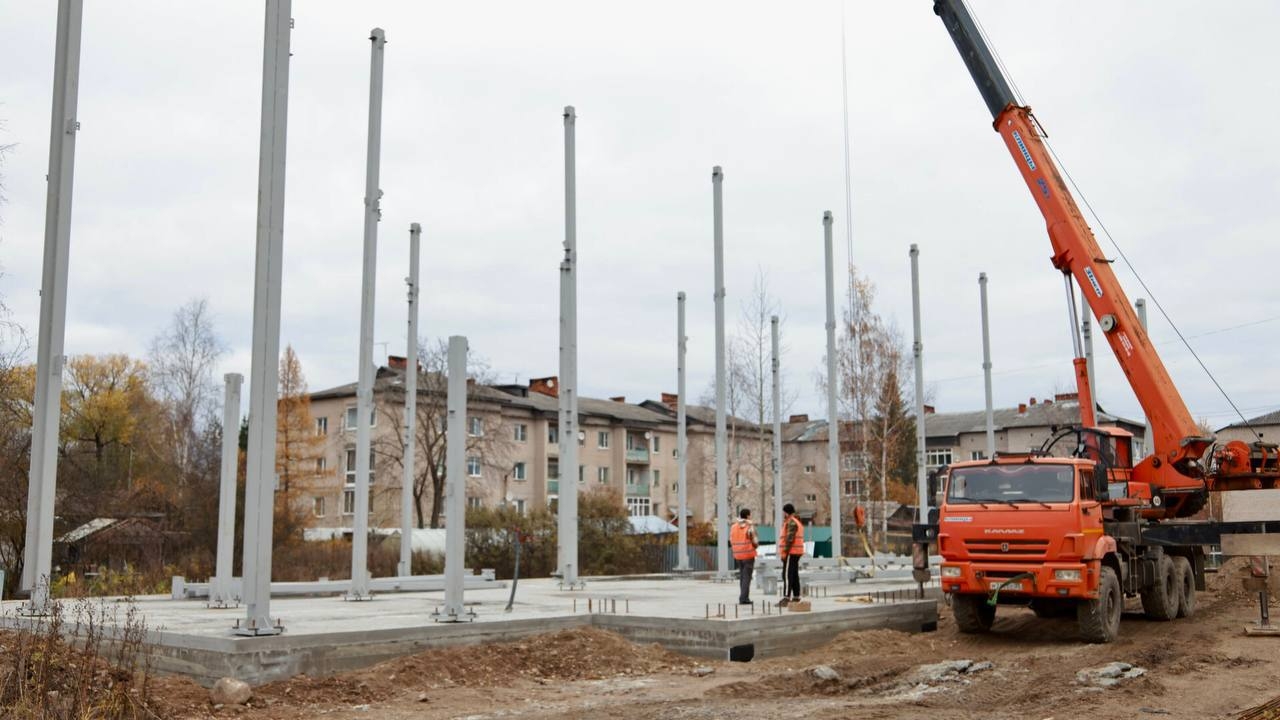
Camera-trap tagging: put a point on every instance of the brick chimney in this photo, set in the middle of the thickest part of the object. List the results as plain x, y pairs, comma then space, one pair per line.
798, 419
671, 400
1033, 401
619, 399
396, 362
1022, 408
929, 410
1066, 397
545, 386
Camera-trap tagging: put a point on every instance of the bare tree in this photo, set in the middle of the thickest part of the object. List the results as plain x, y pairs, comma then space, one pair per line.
182, 359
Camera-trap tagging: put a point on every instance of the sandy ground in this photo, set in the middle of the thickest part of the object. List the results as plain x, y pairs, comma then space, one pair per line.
1204, 667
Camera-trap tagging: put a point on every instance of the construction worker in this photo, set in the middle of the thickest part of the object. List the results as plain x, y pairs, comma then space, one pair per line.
790, 549
742, 540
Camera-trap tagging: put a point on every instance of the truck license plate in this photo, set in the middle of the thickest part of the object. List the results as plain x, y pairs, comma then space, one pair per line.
1016, 587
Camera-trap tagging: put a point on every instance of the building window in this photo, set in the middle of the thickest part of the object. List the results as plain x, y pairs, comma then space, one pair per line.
737, 480
322, 464
553, 469
808, 469
639, 506
582, 473
322, 426
522, 432
853, 462
473, 466
348, 502
351, 466
977, 455
657, 478
811, 498
519, 505
675, 487
934, 459
474, 502
633, 476
850, 488
317, 507
602, 439
518, 472
602, 474
657, 446
350, 418
475, 427
553, 435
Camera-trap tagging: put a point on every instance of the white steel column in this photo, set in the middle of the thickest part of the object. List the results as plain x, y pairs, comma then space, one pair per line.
42, 476
917, 354
567, 511
986, 367
264, 369
681, 439
1141, 306
833, 420
775, 364
1086, 331
410, 409
722, 449
221, 594
364, 386
455, 493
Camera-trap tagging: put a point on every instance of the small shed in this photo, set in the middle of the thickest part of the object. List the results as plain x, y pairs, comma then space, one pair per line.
118, 544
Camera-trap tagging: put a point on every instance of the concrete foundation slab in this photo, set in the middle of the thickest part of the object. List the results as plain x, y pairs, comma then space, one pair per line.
324, 636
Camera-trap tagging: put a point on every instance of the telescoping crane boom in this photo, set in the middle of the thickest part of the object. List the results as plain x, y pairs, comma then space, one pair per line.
1175, 478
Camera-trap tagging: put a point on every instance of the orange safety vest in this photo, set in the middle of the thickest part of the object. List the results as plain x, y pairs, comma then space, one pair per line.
740, 541
797, 545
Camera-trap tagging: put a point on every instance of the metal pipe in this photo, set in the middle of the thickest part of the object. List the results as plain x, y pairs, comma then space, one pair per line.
456, 480
264, 368
917, 353
682, 460
407, 482
776, 365
364, 387
1086, 327
567, 510
42, 475
833, 419
221, 593
722, 460
986, 366
1141, 306
1076, 347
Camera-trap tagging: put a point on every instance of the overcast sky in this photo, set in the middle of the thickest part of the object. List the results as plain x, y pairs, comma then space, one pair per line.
1163, 111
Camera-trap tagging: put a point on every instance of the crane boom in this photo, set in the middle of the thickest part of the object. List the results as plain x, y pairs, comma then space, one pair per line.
1177, 445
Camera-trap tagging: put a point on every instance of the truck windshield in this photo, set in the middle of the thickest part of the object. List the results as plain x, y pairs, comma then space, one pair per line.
1011, 484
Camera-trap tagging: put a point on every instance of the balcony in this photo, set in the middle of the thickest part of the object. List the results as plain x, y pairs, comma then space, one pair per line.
638, 490
638, 455
553, 487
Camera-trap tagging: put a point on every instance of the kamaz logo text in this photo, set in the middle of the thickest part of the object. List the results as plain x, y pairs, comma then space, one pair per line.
1004, 531
1017, 138
1093, 280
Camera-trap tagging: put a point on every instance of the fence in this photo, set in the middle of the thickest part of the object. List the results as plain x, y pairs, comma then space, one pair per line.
702, 558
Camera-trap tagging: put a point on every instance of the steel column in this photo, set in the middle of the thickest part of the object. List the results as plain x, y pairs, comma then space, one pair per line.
567, 512
681, 438
986, 367
833, 383
410, 409
1086, 330
775, 365
42, 476
221, 593
722, 459
365, 379
1140, 305
264, 369
917, 354
455, 494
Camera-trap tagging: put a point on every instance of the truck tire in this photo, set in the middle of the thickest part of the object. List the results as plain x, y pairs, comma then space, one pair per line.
1186, 586
1099, 618
973, 614
1160, 599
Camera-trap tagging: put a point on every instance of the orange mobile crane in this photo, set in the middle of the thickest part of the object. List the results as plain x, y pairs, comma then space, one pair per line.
1077, 525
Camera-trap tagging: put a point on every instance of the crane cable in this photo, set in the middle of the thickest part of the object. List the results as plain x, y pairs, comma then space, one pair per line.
1103, 227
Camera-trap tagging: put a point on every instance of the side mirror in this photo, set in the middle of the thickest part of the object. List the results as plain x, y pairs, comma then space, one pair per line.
1101, 487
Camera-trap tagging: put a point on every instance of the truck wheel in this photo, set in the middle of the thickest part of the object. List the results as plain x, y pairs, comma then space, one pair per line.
1160, 600
973, 614
1186, 587
1099, 619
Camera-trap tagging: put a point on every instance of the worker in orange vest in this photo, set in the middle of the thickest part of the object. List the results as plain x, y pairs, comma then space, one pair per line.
790, 549
742, 540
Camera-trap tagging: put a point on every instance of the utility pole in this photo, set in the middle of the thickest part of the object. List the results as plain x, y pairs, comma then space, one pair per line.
221, 593
917, 353
264, 367
455, 495
42, 476
364, 386
833, 419
775, 364
986, 367
722, 460
568, 394
410, 409
682, 479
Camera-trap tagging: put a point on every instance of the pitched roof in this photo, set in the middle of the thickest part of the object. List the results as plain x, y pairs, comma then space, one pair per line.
1061, 413
1271, 418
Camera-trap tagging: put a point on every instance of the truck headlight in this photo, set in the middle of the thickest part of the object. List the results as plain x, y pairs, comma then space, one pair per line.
952, 571
1066, 575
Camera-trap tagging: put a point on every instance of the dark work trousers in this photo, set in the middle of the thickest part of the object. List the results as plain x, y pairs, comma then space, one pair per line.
745, 568
791, 577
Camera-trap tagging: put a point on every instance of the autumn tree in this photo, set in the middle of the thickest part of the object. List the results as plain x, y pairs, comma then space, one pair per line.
299, 448
17, 390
